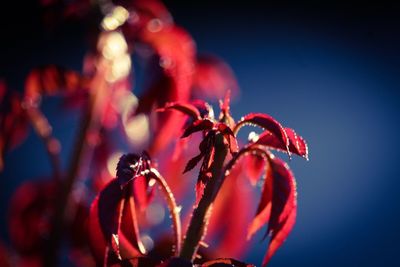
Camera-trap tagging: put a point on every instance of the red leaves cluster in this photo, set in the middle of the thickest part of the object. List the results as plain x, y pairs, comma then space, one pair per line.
29, 220
210, 127
277, 206
178, 75
113, 225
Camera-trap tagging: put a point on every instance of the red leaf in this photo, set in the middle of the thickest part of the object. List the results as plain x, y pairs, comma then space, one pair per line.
30, 209
193, 162
131, 166
229, 239
225, 115
50, 80
255, 166
268, 123
229, 137
213, 78
13, 121
154, 9
142, 192
264, 206
185, 108
111, 212
129, 236
206, 111
297, 144
5, 257
284, 205
147, 15
175, 49
196, 126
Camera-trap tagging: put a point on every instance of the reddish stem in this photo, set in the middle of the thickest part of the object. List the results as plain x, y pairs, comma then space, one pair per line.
201, 214
89, 127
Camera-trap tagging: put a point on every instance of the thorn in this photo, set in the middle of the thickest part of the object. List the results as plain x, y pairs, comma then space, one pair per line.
203, 244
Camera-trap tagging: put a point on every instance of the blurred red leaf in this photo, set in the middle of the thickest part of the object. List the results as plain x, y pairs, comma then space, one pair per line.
29, 214
13, 121
197, 126
213, 78
185, 108
52, 80
4, 257
255, 166
229, 239
175, 49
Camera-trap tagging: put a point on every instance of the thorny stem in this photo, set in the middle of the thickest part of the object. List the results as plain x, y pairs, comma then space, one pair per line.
198, 223
237, 127
43, 129
89, 126
174, 210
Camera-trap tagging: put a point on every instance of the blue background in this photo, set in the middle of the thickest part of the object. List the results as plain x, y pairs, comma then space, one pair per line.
331, 71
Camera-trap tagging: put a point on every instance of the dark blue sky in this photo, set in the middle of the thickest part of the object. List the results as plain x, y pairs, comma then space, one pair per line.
331, 71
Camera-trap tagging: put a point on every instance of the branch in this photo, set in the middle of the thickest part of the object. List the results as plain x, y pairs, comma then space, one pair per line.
198, 224
174, 210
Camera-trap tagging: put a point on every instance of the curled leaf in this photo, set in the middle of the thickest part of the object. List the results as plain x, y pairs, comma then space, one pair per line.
283, 206
268, 123
185, 108
297, 144
229, 137
131, 166
197, 126
206, 111
263, 212
113, 223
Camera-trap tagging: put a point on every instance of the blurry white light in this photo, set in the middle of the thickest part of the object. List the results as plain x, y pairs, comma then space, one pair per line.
120, 68
137, 129
112, 163
112, 45
253, 137
147, 241
115, 18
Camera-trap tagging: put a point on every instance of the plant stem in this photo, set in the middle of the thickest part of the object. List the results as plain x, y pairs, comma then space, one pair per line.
198, 223
89, 126
174, 210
